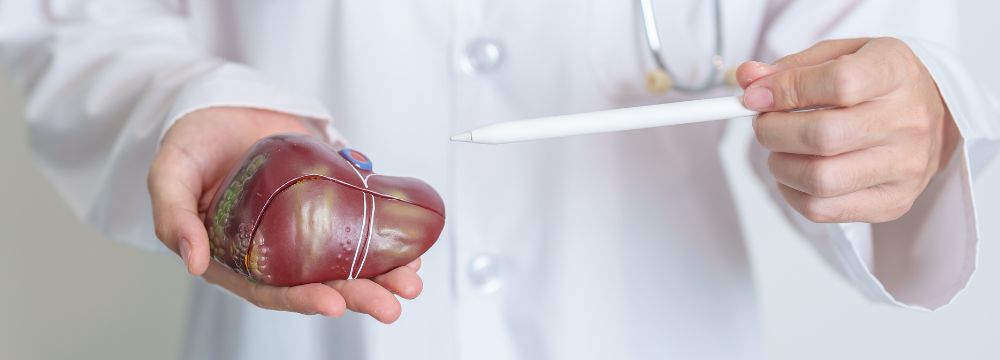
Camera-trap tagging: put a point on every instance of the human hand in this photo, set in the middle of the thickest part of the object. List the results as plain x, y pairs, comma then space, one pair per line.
194, 158
879, 132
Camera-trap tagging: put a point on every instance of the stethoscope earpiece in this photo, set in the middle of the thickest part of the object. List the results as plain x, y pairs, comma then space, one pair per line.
658, 81
730, 78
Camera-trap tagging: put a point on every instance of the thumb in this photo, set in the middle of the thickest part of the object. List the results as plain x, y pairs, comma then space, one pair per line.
799, 80
175, 209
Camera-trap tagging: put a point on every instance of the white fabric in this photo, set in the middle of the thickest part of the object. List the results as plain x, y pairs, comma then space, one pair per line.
610, 246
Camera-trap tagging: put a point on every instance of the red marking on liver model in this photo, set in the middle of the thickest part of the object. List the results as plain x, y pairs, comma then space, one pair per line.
295, 211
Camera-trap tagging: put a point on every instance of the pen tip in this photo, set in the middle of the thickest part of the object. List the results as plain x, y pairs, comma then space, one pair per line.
463, 137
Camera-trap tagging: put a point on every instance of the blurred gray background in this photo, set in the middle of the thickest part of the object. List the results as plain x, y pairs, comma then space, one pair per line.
66, 292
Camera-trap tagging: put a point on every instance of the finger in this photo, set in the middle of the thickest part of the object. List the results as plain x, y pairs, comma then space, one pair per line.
847, 80
173, 184
402, 281
822, 52
834, 176
819, 53
365, 296
825, 132
305, 299
873, 205
834, 83
415, 264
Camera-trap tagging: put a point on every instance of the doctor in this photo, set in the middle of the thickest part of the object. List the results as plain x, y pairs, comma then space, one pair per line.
621, 245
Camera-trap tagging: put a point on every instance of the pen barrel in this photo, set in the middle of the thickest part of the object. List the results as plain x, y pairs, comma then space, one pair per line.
613, 120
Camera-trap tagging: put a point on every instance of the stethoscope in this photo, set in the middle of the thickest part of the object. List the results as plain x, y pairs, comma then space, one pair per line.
660, 79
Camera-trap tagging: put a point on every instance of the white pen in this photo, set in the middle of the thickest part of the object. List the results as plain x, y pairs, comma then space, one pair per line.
639, 117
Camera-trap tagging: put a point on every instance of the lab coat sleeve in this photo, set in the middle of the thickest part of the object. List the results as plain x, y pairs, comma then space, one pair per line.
925, 258
103, 81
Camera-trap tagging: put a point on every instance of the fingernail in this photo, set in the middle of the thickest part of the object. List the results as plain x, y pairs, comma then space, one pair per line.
185, 248
758, 98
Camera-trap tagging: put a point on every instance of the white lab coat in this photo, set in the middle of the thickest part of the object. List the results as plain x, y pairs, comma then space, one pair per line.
622, 246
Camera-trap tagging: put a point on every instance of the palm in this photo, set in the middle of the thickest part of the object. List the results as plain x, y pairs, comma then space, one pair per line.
195, 156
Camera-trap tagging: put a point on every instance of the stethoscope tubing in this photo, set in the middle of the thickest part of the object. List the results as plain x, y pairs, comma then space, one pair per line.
656, 51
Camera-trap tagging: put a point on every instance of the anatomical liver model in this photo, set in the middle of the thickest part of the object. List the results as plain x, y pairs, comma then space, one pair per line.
296, 210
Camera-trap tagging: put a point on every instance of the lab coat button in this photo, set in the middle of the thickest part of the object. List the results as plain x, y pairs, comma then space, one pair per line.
482, 56
484, 273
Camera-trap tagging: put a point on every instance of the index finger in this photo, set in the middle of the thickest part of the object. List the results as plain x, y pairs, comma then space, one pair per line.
826, 132
305, 299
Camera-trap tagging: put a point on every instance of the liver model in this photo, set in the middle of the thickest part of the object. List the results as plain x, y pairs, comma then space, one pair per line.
296, 210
